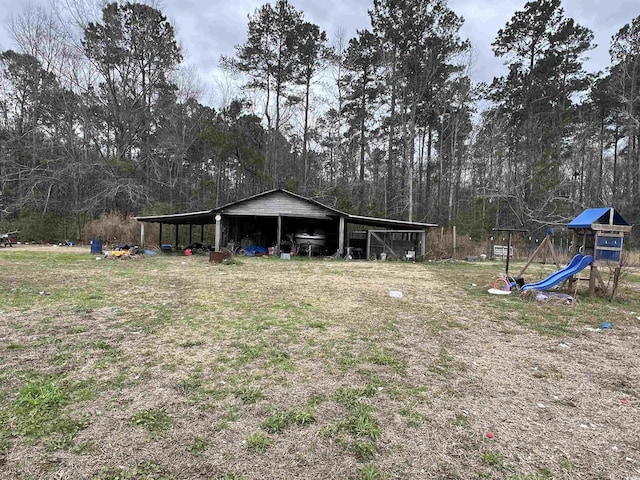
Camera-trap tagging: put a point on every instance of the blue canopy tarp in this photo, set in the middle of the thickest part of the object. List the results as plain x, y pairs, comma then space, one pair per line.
597, 215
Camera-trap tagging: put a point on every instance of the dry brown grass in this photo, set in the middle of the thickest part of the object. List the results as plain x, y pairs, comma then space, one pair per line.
445, 365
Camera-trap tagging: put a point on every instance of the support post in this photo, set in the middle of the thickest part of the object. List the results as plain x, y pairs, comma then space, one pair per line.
341, 237
279, 236
218, 232
177, 235
190, 233
202, 233
592, 280
160, 236
142, 235
506, 270
423, 244
454, 246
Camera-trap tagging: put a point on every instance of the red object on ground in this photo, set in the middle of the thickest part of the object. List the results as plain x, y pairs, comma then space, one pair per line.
489, 435
188, 252
624, 402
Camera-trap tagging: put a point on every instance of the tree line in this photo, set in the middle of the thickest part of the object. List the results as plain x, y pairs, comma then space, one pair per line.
99, 114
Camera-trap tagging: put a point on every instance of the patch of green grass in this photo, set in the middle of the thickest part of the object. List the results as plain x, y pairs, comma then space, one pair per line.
346, 360
198, 446
249, 395
317, 324
370, 472
351, 396
493, 459
365, 450
155, 421
443, 364
411, 415
381, 357
361, 422
281, 419
567, 465
259, 442
461, 421
38, 410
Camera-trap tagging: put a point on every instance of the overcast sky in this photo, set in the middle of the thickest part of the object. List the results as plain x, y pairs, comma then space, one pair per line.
208, 28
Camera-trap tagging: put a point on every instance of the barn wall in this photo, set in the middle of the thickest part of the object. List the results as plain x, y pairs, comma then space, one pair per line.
279, 203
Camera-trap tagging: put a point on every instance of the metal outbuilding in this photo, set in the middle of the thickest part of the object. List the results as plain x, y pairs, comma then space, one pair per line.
275, 216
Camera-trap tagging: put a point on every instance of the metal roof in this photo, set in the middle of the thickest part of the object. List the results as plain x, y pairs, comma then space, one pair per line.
603, 216
206, 217
385, 222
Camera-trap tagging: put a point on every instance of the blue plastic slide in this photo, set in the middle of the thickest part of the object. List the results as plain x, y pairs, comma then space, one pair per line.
577, 264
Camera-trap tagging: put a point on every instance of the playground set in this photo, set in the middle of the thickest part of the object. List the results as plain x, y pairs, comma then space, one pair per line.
598, 235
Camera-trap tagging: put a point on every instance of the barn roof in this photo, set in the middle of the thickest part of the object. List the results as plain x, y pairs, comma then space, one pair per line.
269, 203
602, 216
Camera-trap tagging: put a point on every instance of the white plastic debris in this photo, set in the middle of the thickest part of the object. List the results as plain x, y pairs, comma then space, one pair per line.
395, 294
564, 345
540, 405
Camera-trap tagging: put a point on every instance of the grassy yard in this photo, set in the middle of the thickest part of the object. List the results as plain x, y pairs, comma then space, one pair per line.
167, 367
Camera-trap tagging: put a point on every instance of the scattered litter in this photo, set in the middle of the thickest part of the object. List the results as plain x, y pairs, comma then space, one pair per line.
395, 294
495, 291
489, 435
564, 345
540, 405
629, 459
582, 425
184, 263
592, 329
624, 402
605, 325
98, 258
474, 284
43, 292
638, 318
380, 389
614, 448
561, 298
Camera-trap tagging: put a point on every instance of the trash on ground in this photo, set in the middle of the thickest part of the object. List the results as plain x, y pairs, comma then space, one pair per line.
554, 297
495, 291
395, 294
605, 325
489, 435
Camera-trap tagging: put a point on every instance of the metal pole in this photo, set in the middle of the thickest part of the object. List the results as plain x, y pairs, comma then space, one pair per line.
508, 254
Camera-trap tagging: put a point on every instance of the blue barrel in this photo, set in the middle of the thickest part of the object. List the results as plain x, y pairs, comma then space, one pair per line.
96, 246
